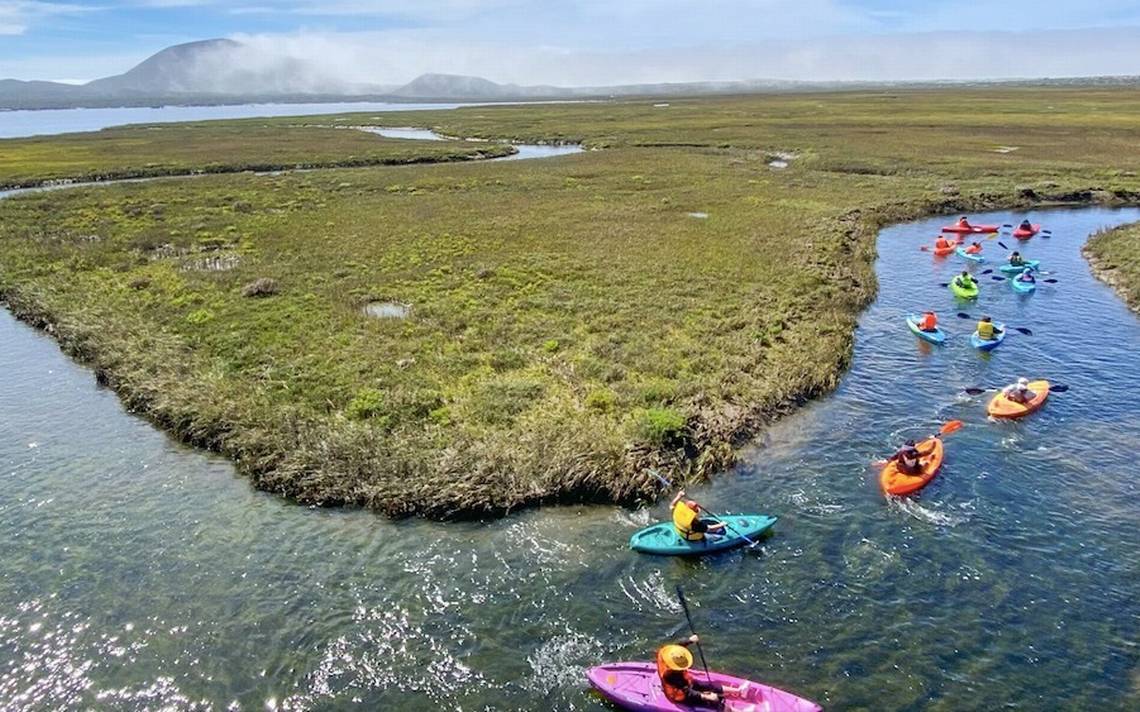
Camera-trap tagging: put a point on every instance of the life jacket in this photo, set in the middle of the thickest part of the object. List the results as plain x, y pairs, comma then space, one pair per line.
986, 330
973, 249
964, 282
928, 323
963, 222
672, 691
942, 243
1017, 261
683, 518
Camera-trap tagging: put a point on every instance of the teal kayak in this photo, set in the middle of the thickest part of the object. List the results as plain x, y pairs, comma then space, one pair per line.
961, 252
662, 539
938, 336
988, 344
1023, 287
1018, 269
963, 293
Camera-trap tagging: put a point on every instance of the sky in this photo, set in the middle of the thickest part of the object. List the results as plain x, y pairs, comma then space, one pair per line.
592, 42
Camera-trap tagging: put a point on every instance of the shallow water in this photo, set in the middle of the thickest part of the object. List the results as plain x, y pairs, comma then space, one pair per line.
524, 150
56, 121
140, 574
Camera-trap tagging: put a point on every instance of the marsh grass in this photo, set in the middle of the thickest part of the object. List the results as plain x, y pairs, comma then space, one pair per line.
1115, 258
572, 325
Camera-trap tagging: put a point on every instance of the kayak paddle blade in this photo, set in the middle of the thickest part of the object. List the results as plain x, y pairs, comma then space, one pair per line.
1058, 388
1002, 244
1023, 330
950, 427
1049, 281
964, 315
975, 391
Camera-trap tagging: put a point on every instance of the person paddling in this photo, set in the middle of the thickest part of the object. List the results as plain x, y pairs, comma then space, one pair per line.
928, 322
674, 667
963, 222
1019, 392
688, 522
965, 281
1027, 276
974, 249
942, 243
1026, 226
1016, 260
987, 330
907, 459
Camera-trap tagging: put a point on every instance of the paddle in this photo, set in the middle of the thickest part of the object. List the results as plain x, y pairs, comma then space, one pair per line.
1046, 281
950, 426
946, 284
1053, 388
714, 515
689, 619
1023, 330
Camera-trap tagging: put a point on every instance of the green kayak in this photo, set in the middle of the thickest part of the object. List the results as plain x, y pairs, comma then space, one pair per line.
963, 293
663, 539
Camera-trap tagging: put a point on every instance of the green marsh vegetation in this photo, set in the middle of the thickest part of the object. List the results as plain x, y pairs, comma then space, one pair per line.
212, 147
1115, 257
566, 322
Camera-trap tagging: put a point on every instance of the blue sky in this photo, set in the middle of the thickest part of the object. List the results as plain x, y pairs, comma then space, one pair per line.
590, 41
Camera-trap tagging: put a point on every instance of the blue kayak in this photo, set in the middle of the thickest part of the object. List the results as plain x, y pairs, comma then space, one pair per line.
1018, 269
663, 539
961, 252
990, 345
938, 336
1023, 287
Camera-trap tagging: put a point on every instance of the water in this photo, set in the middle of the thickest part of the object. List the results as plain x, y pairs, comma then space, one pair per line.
141, 574
525, 150
56, 121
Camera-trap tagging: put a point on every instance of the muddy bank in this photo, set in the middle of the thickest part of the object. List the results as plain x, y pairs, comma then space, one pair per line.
1114, 258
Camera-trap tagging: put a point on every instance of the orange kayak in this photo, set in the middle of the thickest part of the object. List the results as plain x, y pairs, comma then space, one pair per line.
1002, 407
897, 483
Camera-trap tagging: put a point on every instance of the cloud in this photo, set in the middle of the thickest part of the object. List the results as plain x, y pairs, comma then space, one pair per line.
18, 15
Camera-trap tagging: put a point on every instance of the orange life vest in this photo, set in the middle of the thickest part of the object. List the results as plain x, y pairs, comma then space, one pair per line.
973, 249
674, 693
683, 518
928, 323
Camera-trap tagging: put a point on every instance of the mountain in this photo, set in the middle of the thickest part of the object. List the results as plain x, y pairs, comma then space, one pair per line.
210, 71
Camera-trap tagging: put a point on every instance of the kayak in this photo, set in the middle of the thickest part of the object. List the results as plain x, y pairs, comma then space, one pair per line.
1023, 287
961, 252
976, 229
662, 539
962, 292
938, 336
1002, 407
897, 483
943, 251
1022, 234
1018, 269
636, 686
988, 344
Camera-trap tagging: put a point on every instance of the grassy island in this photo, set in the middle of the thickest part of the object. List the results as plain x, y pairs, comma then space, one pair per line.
465, 339
1115, 258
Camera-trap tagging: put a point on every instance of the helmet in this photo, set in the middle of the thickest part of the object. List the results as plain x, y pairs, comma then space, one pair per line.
677, 657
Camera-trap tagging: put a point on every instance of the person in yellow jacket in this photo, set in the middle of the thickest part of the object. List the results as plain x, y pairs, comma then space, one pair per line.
986, 329
688, 522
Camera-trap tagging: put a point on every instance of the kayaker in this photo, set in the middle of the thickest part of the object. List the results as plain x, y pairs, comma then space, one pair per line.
963, 222
1025, 225
1027, 276
929, 322
965, 280
987, 331
1016, 260
674, 662
942, 243
974, 248
1019, 392
908, 459
688, 522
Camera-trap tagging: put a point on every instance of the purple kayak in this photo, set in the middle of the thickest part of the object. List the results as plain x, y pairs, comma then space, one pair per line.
635, 686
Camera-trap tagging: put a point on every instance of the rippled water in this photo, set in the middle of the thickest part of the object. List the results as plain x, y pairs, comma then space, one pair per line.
141, 574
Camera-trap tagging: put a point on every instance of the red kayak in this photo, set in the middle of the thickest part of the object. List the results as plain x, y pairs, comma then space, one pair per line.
1023, 234
975, 229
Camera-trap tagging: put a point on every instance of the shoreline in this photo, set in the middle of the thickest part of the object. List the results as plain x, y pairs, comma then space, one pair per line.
1111, 274
712, 440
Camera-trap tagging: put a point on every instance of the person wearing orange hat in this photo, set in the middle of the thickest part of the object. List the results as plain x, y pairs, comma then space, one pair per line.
674, 667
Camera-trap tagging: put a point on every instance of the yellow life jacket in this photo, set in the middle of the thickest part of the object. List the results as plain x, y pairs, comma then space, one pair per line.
683, 518
986, 330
